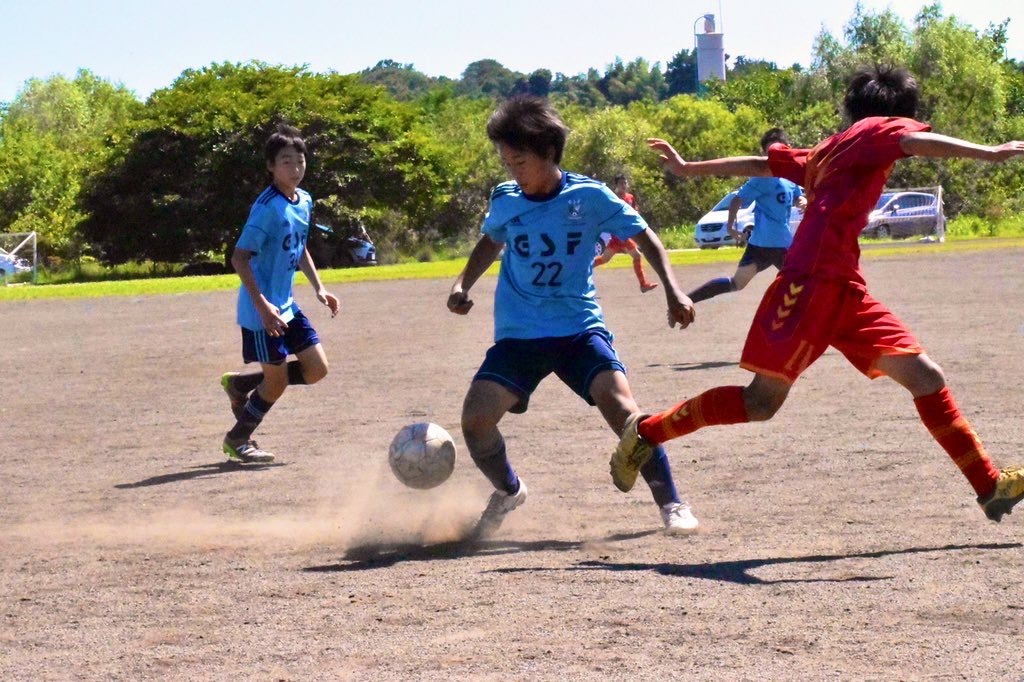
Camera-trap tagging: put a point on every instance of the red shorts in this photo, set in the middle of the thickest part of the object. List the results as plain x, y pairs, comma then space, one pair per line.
616, 245
800, 316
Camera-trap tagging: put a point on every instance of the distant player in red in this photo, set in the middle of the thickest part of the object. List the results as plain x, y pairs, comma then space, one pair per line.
616, 245
820, 298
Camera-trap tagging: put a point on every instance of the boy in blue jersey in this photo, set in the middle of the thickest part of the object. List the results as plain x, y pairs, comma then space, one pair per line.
771, 236
269, 251
546, 314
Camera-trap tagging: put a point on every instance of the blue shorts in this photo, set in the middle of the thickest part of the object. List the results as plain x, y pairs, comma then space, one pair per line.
763, 256
259, 346
520, 364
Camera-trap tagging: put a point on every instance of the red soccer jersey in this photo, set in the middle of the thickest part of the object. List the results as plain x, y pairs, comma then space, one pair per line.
843, 178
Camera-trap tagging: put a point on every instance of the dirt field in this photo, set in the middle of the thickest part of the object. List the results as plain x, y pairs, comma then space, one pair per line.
838, 541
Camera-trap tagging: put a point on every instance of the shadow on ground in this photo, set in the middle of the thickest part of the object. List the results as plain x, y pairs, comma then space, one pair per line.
693, 366
739, 571
384, 555
199, 471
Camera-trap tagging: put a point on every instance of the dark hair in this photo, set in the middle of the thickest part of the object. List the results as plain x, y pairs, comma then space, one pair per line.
880, 91
529, 123
771, 136
284, 136
619, 178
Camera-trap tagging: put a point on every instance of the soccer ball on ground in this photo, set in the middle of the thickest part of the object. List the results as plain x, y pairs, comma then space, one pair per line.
422, 455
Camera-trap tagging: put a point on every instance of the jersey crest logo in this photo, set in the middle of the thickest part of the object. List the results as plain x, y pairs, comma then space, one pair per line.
575, 209
515, 221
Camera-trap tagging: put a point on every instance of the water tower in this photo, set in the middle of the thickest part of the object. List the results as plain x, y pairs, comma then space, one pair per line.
710, 49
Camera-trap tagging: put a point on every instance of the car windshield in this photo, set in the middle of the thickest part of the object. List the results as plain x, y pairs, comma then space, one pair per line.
882, 199
723, 205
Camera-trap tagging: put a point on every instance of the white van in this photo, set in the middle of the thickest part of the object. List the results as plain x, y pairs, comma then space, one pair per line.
711, 232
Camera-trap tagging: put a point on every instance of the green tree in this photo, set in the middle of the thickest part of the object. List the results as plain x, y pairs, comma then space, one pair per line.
681, 74
581, 89
759, 85
402, 81
456, 128
194, 161
539, 83
699, 129
53, 138
960, 74
632, 82
967, 90
487, 78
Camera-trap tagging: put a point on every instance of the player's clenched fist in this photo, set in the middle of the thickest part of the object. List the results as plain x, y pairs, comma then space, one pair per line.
459, 302
681, 312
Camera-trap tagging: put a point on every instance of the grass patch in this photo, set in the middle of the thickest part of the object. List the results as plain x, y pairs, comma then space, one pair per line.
678, 237
448, 269
972, 227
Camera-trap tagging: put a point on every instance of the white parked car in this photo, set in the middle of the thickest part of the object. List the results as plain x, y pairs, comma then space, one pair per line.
11, 265
711, 231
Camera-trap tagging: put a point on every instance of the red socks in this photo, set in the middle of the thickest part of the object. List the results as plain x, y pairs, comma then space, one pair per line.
939, 413
948, 427
719, 406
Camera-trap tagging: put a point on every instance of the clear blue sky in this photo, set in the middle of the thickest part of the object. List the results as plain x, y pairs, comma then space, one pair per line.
146, 44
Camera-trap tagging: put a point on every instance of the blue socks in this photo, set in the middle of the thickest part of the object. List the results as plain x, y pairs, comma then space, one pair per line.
495, 466
712, 288
659, 477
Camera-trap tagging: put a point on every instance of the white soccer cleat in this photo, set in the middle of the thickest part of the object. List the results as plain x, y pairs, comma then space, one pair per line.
247, 452
679, 519
498, 507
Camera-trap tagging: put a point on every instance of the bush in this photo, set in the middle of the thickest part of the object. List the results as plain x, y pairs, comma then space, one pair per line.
972, 226
678, 237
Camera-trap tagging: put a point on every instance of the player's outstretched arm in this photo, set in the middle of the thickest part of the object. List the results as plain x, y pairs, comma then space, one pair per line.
484, 253
322, 295
680, 307
945, 147
672, 162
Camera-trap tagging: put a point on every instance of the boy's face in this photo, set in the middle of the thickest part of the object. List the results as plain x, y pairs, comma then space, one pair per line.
621, 187
288, 168
535, 174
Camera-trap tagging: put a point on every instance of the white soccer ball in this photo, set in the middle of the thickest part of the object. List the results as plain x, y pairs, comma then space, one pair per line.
422, 455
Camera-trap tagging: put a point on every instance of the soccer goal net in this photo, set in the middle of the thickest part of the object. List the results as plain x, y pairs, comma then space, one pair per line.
19, 258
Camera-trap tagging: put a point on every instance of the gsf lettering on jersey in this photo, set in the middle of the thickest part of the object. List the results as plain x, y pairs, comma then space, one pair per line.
547, 273
547, 247
294, 244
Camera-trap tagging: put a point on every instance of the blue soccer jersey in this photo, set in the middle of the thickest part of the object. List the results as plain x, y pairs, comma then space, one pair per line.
546, 284
276, 233
774, 197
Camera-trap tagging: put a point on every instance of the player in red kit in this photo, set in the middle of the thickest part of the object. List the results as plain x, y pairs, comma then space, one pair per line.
615, 245
820, 298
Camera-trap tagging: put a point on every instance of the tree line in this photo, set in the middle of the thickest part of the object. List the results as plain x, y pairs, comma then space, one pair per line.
95, 171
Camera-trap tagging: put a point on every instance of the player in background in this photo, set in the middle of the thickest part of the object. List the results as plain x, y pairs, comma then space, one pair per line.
770, 238
616, 245
271, 248
820, 298
546, 314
